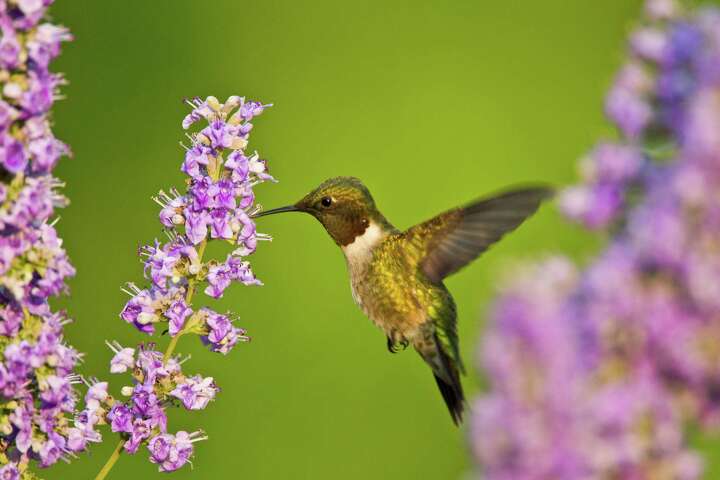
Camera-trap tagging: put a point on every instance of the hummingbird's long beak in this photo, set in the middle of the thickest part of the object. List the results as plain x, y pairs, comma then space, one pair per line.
289, 208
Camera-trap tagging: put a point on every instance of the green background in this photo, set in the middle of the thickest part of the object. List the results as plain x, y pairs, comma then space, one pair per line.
430, 103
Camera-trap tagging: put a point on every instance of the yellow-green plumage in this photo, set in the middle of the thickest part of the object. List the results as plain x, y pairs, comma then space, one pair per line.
412, 309
397, 277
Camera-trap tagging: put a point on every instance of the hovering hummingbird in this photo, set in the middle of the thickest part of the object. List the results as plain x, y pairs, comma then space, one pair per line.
397, 277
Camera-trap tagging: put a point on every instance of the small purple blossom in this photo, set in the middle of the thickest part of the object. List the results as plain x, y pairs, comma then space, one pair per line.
177, 313
221, 335
595, 206
222, 275
140, 430
196, 225
120, 418
147, 307
628, 102
609, 171
140, 311
123, 360
252, 109
9, 472
171, 452
196, 392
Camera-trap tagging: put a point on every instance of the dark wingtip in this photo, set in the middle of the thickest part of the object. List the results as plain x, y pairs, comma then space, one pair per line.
538, 190
541, 193
532, 196
545, 192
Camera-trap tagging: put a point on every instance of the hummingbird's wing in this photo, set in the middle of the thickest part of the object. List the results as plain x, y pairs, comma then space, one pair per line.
453, 239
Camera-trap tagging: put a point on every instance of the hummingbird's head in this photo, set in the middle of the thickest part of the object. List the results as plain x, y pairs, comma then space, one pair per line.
343, 205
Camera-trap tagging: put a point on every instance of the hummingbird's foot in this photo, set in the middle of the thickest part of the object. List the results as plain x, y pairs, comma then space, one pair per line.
392, 345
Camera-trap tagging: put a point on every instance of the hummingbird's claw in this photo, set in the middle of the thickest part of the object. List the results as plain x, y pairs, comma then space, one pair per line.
392, 345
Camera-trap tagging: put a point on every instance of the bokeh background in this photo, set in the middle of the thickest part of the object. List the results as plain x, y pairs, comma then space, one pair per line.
431, 103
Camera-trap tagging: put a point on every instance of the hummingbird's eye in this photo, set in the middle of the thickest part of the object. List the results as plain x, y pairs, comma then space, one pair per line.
326, 201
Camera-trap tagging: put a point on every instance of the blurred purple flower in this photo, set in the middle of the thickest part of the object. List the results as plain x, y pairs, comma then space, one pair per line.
43, 421
596, 373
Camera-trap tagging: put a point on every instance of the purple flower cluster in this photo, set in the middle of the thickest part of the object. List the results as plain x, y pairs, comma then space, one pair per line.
217, 206
142, 418
596, 373
564, 404
29, 89
39, 420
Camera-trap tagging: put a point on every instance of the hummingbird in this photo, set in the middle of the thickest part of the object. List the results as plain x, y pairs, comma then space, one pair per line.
396, 277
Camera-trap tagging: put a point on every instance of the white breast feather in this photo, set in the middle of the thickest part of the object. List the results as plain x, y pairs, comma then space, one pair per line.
358, 254
359, 251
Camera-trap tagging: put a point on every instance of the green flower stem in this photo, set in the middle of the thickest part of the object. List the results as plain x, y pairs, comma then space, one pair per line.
111, 461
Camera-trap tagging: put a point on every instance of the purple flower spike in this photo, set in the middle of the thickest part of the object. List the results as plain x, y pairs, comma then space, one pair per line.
217, 206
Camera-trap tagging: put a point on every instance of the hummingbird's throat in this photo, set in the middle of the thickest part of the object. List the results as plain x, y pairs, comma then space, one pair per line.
361, 247
345, 229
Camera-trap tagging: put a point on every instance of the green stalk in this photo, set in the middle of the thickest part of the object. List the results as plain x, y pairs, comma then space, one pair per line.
111, 461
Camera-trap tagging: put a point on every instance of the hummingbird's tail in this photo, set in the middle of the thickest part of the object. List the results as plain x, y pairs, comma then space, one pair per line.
454, 399
447, 378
